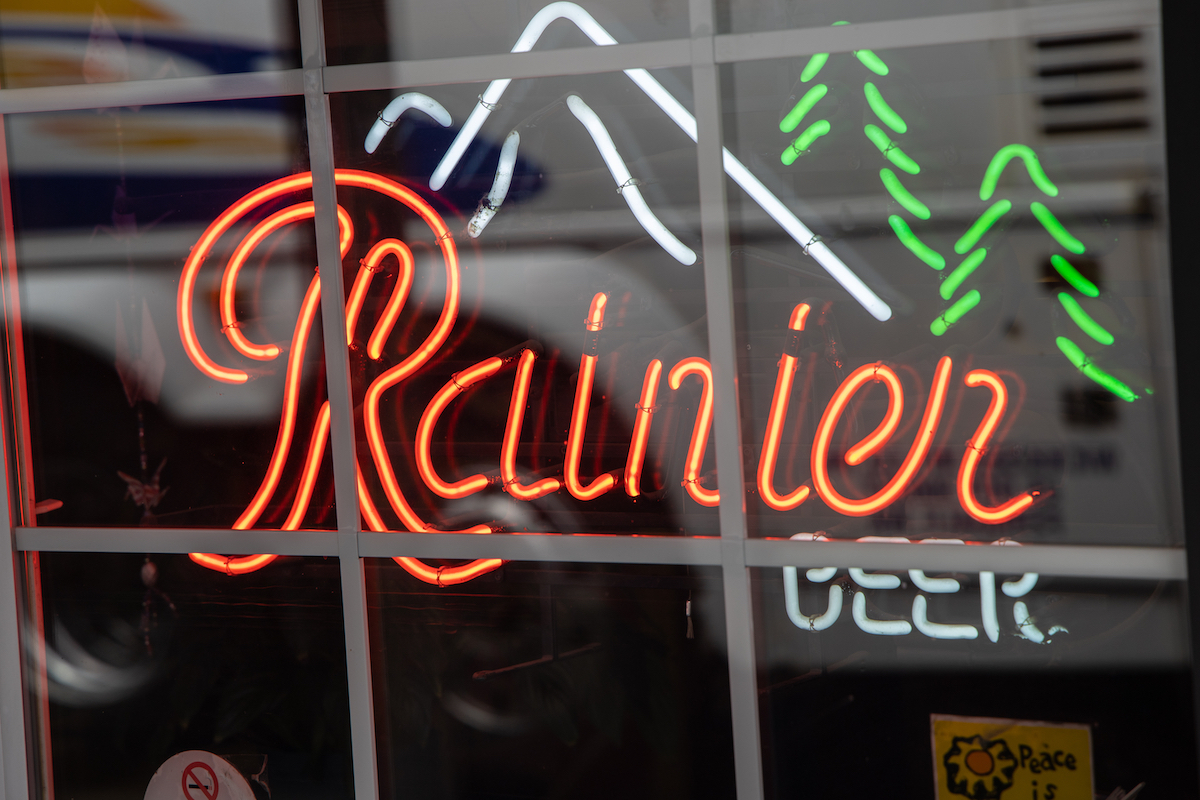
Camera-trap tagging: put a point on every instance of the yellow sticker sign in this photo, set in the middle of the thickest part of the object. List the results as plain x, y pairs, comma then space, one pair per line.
978, 758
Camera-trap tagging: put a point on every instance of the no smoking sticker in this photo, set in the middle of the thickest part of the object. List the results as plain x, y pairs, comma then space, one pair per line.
198, 775
200, 782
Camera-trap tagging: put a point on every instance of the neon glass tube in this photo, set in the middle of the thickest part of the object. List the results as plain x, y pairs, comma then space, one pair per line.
1084, 320
644, 413
896, 487
512, 436
500, 185
999, 161
903, 196
804, 141
1084, 364
938, 630
918, 248
1073, 276
700, 430
890, 150
882, 110
955, 312
878, 627
961, 273
626, 185
579, 413
872, 62
1056, 229
805, 622
977, 446
982, 225
392, 111
794, 117
775, 422
458, 383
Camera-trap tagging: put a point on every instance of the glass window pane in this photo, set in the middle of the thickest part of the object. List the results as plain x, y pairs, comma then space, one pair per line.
58, 42
852, 665
998, 231
541, 680
553, 269
156, 367
145, 657
360, 31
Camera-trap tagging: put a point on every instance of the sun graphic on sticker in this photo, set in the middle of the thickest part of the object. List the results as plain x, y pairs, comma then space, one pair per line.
978, 768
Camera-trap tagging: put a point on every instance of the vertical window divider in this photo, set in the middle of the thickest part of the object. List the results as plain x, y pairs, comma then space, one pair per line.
14, 763
337, 381
718, 291
24, 702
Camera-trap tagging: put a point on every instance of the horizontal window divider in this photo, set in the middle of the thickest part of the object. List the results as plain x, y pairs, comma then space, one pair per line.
535, 64
945, 29
602, 549
1082, 561
1068, 560
177, 540
161, 91
728, 48
1080, 17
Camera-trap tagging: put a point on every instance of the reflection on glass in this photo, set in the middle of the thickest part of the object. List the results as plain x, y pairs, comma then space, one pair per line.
145, 657
863, 659
52, 42
390, 30
546, 680
171, 347
1005, 209
747, 16
525, 260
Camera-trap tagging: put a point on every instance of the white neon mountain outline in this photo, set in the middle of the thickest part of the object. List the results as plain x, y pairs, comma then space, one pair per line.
659, 95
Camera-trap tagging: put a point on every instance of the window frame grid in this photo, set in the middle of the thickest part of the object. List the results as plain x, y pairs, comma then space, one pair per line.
703, 52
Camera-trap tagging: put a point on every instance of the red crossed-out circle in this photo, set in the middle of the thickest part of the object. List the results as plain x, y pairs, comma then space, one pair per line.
192, 782
440, 576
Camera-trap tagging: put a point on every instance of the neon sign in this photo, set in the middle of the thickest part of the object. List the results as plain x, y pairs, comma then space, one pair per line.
284, 203
697, 487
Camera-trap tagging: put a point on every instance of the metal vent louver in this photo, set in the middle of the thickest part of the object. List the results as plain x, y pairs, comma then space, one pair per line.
1092, 85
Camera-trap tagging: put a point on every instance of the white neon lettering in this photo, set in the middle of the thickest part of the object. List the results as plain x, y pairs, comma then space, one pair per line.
816, 574
920, 608
877, 581
879, 627
987, 605
874, 580
791, 598
495, 197
393, 110
681, 117
626, 184
1020, 587
935, 585
1025, 623
938, 630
